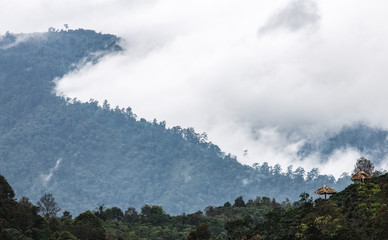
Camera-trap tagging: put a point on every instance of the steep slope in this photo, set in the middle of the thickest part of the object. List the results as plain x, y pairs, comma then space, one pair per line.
87, 155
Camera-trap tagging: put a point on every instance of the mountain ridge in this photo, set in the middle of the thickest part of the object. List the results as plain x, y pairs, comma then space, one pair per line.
108, 155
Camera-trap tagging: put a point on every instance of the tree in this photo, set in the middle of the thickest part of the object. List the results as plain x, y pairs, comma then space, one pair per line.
6, 191
114, 213
25, 201
265, 169
239, 202
271, 225
47, 205
88, 226
289, 171
65, 235
131, 215
312, 175
153, 214
67, 215
365, 165
277, 170
299, 174
7, 201
25, 215
100, 213
237, 229
202, 232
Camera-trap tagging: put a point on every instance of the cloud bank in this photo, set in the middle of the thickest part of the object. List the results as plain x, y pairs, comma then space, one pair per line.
259, 76
294, 16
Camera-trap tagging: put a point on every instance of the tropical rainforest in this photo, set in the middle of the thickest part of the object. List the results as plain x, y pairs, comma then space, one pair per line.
98, 160
358, 212
90, 153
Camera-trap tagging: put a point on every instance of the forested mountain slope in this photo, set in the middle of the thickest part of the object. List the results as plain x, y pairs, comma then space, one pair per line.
358, 212
87, 155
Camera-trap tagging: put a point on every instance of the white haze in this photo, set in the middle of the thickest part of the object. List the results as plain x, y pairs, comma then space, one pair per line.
47, 178
262, 76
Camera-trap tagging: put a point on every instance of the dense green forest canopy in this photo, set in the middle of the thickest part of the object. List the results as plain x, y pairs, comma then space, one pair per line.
87, 154
358, 212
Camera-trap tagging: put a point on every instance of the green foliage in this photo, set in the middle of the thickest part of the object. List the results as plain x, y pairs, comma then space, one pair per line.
65, 235
88, 226
202, 232
114, 213
154, 215
360, 211
108, 155
237, 229
369, 205
6, 191
17, 219
13, 234
357, 212
87, 154
239, 202
131, 215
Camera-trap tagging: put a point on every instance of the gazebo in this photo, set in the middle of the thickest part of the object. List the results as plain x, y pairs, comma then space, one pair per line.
325, 190
361, 176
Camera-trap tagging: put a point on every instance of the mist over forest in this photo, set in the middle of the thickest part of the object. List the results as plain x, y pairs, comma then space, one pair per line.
91, 153
193, 120
280, 80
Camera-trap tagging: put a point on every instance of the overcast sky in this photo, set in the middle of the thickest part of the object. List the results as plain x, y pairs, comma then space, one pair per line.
261, 76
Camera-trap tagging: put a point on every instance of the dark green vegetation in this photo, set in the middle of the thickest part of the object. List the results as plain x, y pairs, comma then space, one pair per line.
87, 155
358, 212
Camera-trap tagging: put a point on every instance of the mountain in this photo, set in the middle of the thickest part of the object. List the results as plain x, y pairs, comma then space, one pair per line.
372, 142
87, 154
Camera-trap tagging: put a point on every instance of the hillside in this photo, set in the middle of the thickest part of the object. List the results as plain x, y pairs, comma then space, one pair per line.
360, 211
87, 155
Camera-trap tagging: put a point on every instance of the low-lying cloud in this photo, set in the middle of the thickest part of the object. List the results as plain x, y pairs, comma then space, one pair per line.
259, 76
296, 15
